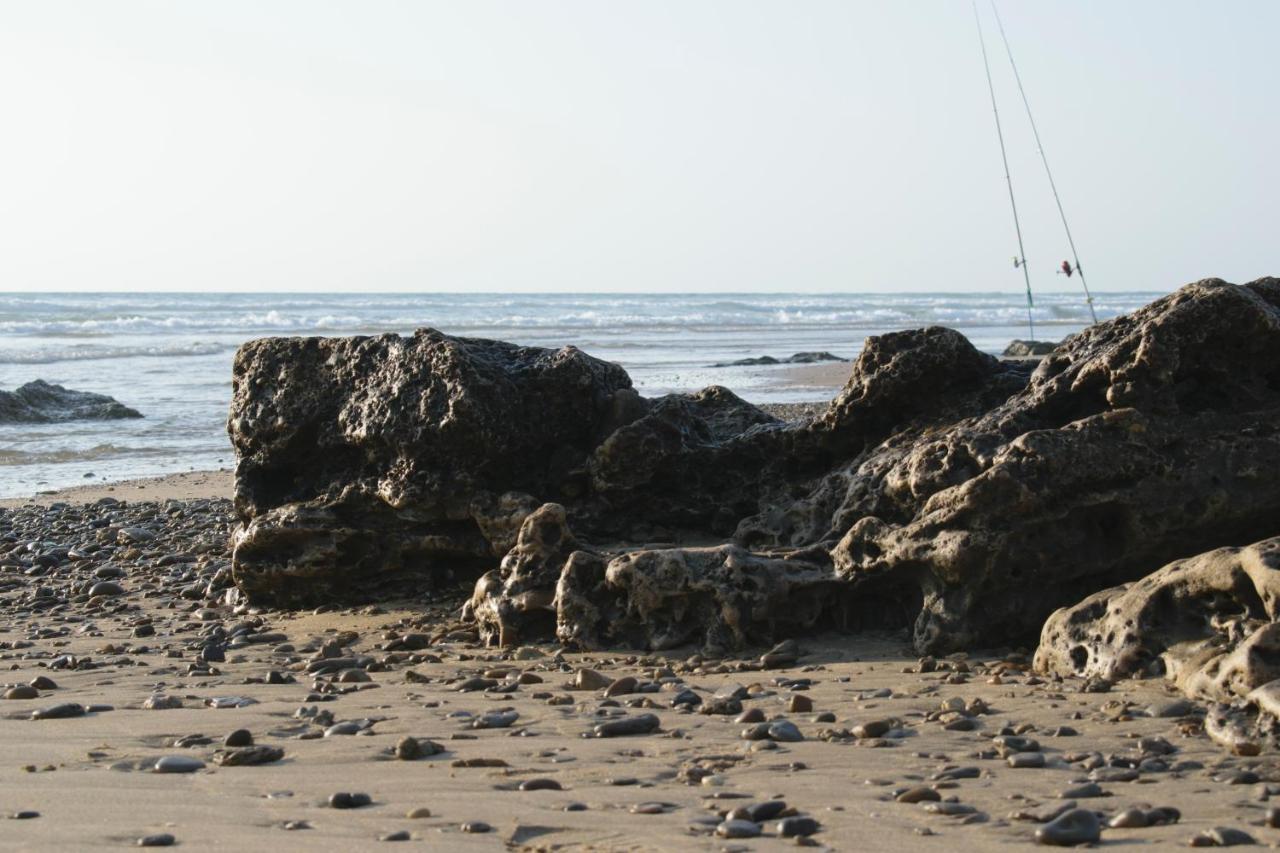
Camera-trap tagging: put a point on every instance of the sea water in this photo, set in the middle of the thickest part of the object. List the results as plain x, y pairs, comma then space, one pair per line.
169, 355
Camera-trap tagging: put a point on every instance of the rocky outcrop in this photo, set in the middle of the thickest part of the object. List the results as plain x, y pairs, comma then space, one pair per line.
942, 487
41, 402
1138, 441
1206, 622
376, 464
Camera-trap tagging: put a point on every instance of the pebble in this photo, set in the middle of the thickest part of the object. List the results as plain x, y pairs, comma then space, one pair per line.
162, 839
22, 691
399, 835
59, 712
1078, 826
239, 737
346, 800
177, 764
418, 813
640, 724
797, 827
476, 826
738, 829
541, 785
1222, 836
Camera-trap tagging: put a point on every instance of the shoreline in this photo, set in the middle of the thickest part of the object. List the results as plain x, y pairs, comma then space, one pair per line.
182, 486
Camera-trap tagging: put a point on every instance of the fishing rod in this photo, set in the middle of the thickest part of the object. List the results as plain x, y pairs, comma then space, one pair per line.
1004, 157
1088, 298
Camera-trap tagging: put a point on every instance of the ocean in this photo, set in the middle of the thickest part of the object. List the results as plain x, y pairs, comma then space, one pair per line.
169, 355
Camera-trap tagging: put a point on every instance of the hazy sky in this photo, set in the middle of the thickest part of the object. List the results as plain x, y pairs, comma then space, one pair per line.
689, 145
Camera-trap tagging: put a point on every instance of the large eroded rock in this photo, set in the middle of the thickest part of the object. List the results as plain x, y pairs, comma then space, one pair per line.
942, 487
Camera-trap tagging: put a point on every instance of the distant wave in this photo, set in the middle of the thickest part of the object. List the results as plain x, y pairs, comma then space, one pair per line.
101, 451
50, 355
274, 322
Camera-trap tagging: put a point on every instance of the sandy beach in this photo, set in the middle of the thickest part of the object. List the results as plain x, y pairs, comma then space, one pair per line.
144, 633
178, 487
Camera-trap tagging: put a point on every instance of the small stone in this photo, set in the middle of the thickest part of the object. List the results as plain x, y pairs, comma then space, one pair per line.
797, 827
26, 814
400, 835
240, 737
1078, 826
918, 794
1222, 836
589, 679
476, 826
1022, 760
177, 764
1131, 818
107, 588
638, 725
22, 691
785, 731
247, 756
738, 829
800, 704
418, 813
59, 712
345, 800
622, 686
162, 839
541, 785
872, 729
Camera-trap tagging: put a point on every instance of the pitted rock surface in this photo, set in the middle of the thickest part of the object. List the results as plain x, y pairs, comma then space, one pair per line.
941, 487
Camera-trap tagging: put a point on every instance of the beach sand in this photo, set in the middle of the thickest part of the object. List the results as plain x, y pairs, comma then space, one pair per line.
410, 669
188, 485
407, 669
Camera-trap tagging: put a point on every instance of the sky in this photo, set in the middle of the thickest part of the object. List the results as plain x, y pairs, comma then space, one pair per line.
695, 145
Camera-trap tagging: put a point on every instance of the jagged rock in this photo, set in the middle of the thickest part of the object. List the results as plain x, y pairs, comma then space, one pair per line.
1206, 623
41, 402
373, 465
1139, 440
941, 487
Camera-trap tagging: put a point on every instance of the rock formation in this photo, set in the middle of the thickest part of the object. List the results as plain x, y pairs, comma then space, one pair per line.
41, 402
941, 488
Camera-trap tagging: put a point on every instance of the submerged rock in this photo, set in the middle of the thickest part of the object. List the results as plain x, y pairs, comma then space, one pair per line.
797, 358
1028, 349
41, 402
941, 488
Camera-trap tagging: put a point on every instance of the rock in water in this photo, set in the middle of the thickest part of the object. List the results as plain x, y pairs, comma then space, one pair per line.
41, 402
1028, 349
941, 488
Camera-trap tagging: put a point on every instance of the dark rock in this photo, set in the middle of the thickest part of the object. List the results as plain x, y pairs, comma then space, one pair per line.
797, 358
161, 839
370, 466
40, 402
641, 724
1078, 826
347, 800
1029, 349
247, 756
